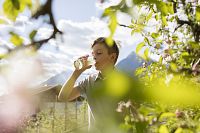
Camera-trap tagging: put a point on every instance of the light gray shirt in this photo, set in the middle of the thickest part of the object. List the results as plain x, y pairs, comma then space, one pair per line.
85, 87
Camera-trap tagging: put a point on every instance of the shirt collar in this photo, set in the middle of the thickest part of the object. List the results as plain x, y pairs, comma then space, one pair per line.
99, 77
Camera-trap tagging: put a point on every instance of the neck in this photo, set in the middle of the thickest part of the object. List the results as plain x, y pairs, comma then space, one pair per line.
106, 71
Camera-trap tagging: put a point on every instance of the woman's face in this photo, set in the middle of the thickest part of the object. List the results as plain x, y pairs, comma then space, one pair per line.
103, 59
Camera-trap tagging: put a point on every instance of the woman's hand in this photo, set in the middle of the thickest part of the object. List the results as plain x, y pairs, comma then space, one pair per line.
85, 65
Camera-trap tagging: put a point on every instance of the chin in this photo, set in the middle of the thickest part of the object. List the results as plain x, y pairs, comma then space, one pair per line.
97, 68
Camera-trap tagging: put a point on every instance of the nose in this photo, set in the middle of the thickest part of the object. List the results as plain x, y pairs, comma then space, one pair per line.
94, 58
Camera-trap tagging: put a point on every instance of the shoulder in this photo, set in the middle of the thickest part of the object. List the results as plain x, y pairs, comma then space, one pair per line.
89, 77
92, 77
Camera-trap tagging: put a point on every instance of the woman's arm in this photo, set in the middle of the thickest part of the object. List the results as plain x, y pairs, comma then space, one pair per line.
68, 91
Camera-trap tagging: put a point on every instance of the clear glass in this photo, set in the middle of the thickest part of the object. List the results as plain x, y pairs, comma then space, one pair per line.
78, 64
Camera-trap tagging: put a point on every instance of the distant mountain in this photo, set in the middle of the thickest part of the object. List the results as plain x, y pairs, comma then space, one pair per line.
60, 78
130, 63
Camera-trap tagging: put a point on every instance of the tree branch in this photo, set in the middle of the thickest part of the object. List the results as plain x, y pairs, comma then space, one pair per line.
123, 25
47, 9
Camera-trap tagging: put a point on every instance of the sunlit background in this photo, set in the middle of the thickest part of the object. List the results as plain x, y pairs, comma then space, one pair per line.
81, 24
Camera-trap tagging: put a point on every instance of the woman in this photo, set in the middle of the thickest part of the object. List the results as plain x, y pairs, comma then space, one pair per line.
105, 57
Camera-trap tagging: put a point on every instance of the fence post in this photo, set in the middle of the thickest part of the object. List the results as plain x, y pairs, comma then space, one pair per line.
53, 114
38, 126
84, 113
65, 116
76, 117
38, 119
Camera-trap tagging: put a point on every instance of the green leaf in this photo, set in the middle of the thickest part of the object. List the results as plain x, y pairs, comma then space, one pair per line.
172, 51
16, 39
132, 32
170, 7
172, 19
2, 21
184, 54
155, 35
194, 45
132, 26
124, 8
125, 127
140, 126
28, 3
109, 41
139, 71
25, 3
175, 38
160, 59
162, 6
149, 16
165, 8
147, 41
16, 4
164, 21
12, 8
166, 115
173, 67
127, 119
141, 19
179, 130
157, 16
113, 23
198, 13
163, 129
137, 2
107, 12
136, 28
133, 21
32, 34
146, 53
139, 47
140, 27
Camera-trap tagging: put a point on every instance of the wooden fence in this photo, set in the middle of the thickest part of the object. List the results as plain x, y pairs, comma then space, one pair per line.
54, 116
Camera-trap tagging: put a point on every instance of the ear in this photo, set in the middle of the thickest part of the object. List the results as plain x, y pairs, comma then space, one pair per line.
113, 56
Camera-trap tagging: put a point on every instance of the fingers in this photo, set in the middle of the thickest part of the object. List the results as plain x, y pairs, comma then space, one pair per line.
88, 66
84, 59
84, 62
